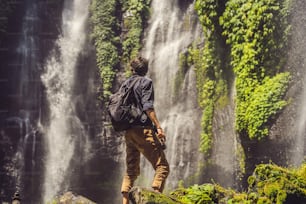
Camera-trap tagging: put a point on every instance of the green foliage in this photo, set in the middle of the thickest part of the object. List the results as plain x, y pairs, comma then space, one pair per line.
264, 103
210, 194
302, 170
136, 15
257, 31
196, 194
114, 45
142, 195
56, 201
206, 90
268, 184
240, 155
106, 30
210, 79
206, 122
278, 183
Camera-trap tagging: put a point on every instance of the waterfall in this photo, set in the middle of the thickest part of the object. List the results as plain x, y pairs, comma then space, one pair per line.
170, 32
64, 128
27, 96
296, 124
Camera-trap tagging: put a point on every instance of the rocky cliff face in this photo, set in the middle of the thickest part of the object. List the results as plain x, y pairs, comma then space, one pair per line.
286, 142
289, 129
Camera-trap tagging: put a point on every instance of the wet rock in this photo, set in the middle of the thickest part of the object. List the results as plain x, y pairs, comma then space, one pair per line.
70, 198
139, 195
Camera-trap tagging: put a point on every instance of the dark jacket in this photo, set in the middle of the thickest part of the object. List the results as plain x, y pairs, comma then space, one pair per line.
143, 97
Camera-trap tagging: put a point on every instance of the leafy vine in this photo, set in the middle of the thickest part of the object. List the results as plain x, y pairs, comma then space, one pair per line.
257, 31
106, 32
210, 79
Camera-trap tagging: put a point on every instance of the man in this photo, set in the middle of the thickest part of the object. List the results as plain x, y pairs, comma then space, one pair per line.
140, 138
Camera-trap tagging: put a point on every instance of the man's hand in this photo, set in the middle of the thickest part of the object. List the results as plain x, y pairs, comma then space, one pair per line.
161, 135
160, 132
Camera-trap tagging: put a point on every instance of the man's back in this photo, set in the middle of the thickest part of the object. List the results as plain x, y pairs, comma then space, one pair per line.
141, 138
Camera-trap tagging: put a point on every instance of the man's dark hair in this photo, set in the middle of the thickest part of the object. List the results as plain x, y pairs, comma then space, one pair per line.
139, 66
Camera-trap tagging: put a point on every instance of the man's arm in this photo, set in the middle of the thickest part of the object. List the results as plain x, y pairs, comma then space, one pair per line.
152, 115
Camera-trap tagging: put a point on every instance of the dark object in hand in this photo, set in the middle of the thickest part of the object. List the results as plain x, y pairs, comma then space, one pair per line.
162, 144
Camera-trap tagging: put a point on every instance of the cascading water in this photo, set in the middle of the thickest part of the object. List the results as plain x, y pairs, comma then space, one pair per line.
170, 32
27, 95
296, 127
64, 127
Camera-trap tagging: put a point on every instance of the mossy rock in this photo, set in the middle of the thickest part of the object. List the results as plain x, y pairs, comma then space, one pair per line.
70, 198
139, 195
279, 184
269, 184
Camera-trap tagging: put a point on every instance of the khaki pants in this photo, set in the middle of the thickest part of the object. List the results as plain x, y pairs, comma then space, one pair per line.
139, 140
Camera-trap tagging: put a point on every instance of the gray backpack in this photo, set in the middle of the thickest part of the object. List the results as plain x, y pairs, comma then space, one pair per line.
122, 108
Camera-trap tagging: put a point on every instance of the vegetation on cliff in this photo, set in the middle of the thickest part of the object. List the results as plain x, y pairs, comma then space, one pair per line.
106, 31
136, 14
256, 32
210, 68
117, 27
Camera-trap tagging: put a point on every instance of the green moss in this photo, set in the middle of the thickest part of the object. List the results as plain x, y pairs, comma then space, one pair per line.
264, 103
137, 13
241, 156
211, 83
105, 32
141, 195
206, 90
115, 45
257, 33
54, 201
302, 170
277, 183
268, 184
196, 194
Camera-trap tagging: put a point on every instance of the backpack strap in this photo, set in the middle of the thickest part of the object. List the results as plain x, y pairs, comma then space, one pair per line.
132, 84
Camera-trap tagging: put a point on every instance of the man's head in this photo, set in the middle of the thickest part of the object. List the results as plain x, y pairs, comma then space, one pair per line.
139, 66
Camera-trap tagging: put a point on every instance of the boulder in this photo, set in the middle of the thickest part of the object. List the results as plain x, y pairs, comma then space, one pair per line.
70, 198
140, 195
